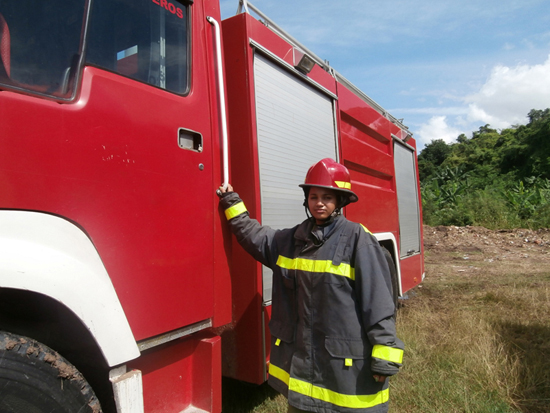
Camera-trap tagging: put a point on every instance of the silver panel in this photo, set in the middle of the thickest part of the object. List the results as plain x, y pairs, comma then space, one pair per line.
296, 128
407, 200
173, 335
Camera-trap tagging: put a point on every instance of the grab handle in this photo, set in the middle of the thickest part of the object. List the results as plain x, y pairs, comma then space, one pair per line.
221, 88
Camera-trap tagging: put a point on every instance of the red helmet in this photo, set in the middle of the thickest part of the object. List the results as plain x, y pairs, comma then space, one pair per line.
328, 173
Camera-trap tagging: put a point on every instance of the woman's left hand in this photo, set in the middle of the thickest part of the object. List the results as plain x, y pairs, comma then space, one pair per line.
379, 378
223, 189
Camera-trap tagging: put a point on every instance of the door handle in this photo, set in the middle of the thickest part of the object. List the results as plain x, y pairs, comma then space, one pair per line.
190, 140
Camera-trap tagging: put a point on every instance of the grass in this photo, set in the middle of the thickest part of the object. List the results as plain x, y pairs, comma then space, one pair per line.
477, 341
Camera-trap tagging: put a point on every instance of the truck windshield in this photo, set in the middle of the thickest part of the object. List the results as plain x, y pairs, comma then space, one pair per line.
40, 44
146, 40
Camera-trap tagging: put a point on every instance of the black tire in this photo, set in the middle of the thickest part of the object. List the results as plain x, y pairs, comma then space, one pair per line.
394, 281
36, 379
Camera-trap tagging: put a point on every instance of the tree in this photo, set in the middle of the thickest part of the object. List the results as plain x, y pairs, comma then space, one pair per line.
432, 156
461, 138
483, 130
528, 154
535, 115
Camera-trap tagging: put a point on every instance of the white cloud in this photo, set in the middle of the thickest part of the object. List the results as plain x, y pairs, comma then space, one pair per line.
437, 128
503, 100
509, 94
440, 111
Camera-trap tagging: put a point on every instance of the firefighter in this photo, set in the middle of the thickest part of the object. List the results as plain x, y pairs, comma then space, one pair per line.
333, 332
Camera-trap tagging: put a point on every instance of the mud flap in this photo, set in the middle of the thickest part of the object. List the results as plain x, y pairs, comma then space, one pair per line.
128, 390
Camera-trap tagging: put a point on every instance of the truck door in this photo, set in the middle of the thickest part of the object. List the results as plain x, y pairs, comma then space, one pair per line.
151, 122
410, 218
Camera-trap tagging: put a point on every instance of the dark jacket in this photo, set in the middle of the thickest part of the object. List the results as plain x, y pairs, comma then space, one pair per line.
332, 326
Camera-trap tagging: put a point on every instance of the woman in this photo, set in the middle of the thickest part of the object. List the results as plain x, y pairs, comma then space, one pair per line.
333, 332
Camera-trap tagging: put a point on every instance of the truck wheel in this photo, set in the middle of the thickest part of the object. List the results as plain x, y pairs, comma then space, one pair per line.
36, 379
394, 281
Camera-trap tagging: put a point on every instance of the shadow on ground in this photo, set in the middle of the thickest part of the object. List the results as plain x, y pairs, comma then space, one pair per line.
241, 397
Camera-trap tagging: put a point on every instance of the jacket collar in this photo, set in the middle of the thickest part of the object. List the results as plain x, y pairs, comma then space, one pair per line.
304, 229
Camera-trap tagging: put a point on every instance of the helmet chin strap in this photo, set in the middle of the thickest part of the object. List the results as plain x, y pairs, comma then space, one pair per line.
309, 217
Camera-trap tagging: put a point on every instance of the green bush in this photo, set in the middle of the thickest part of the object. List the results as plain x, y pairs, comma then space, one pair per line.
490, 210
541, 218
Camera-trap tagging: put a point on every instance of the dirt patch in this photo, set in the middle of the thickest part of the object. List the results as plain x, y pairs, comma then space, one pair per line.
477, 251
478, 242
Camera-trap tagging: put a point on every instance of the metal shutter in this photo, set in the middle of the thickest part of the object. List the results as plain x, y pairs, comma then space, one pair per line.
296, 128
407, 200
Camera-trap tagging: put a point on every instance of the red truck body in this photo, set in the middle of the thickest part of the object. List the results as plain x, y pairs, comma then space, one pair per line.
109, 223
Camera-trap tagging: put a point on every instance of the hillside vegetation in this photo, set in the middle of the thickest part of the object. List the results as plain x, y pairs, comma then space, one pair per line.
496, 179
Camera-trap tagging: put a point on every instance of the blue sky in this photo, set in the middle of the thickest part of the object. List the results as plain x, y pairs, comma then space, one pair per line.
446, 67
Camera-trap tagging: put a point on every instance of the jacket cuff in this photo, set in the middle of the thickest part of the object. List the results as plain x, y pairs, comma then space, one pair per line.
232, 205
386, 360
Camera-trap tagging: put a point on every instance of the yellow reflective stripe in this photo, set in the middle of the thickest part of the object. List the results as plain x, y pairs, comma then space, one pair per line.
349, 362
343, 184
302, 264
329, 396
392, 354
279, 373
366, 229
277, 342
235, 210
339, 399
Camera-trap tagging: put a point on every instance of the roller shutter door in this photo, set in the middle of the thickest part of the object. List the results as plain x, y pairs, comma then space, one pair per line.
295, 129
407, 200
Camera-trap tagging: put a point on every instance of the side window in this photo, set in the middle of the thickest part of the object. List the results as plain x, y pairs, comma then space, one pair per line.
146, 40
40, 44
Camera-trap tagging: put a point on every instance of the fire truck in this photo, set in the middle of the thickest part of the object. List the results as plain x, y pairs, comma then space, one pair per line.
121, 287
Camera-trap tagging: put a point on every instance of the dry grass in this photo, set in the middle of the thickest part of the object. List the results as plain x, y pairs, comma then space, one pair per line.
477, 341
477, 336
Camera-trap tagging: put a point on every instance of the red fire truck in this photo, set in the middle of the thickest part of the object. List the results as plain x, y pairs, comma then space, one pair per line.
121, 288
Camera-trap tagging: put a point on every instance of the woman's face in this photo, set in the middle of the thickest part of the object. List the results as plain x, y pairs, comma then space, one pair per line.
321, 203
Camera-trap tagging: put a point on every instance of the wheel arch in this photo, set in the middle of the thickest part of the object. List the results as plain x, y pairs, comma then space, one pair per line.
42, 319
45, 255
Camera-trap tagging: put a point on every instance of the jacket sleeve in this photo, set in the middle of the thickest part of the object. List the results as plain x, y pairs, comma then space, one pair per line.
256, 239
387, 351
373, 285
